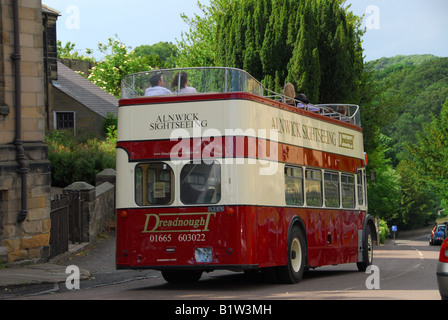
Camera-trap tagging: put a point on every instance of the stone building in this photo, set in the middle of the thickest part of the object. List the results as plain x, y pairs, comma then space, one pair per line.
78, 104
71, 101
37, 92
24, 166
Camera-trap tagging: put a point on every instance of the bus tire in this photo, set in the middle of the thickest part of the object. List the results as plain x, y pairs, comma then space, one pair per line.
181, 276
293, 271
367, 255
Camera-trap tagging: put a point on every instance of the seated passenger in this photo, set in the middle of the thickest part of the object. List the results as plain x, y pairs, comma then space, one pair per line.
184, 88
303, 100
288, 94
342, 110
343, 113
157, 88
304, 103
313, 108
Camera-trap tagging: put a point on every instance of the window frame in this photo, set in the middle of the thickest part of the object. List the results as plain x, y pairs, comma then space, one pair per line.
344, 196
360, 187
216, 188
310, 170
338, 181
56, 120
302, 182
142, 178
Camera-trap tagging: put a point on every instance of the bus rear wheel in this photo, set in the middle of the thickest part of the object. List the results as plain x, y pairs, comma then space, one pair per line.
293, 271
181, 276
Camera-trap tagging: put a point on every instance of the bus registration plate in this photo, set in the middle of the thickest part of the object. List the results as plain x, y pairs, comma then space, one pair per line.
203, 255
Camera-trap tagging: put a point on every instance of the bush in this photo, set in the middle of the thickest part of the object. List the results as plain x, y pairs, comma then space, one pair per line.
384, 231
72, 161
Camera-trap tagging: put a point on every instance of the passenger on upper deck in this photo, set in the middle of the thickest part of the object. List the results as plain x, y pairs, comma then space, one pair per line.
184, 88
289, 94
304, 103
303, 100
157, 88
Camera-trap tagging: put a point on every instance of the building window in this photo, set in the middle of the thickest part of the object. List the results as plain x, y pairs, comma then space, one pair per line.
64, 120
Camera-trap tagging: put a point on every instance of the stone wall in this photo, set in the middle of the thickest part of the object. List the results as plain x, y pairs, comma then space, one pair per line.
78, 65
97, 207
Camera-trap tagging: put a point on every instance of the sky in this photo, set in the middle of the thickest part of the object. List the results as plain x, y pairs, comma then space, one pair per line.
393, 27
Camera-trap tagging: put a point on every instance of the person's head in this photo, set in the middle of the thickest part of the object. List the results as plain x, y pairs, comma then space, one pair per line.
183, 80
302, 97
342, 109
156, 80
289, 90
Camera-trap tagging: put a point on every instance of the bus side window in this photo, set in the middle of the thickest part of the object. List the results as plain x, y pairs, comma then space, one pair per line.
331, 183
138, 185
313, 188
348, 190
294, 186
360, 187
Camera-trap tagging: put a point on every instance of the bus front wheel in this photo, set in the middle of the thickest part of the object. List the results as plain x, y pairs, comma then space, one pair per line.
293, 271
367, 253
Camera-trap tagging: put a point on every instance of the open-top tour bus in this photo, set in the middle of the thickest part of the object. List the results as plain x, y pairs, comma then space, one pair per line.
229, 176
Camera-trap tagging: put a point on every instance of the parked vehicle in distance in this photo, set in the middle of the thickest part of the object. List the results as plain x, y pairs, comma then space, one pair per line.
437, 234
442, 271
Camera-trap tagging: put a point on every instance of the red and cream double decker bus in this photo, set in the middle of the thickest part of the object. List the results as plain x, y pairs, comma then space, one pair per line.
217, 172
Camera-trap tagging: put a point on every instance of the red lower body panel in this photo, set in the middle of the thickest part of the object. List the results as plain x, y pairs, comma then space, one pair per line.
231, 237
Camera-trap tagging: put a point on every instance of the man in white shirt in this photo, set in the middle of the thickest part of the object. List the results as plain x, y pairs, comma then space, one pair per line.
157, 88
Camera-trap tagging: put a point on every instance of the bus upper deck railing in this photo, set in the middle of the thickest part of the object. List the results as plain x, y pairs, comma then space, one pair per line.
221, 80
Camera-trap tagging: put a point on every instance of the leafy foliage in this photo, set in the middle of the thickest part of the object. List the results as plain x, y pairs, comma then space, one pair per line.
68, 51
117, 63
196, 47
316, 45
73, 161
414, 89
166, 51
430, 154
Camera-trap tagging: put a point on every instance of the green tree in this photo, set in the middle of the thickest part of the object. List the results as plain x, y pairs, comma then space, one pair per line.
304, 66
315, 44
384, 194
166, 51
68, 51
431, 154
418, 202
117, 63
196, 47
